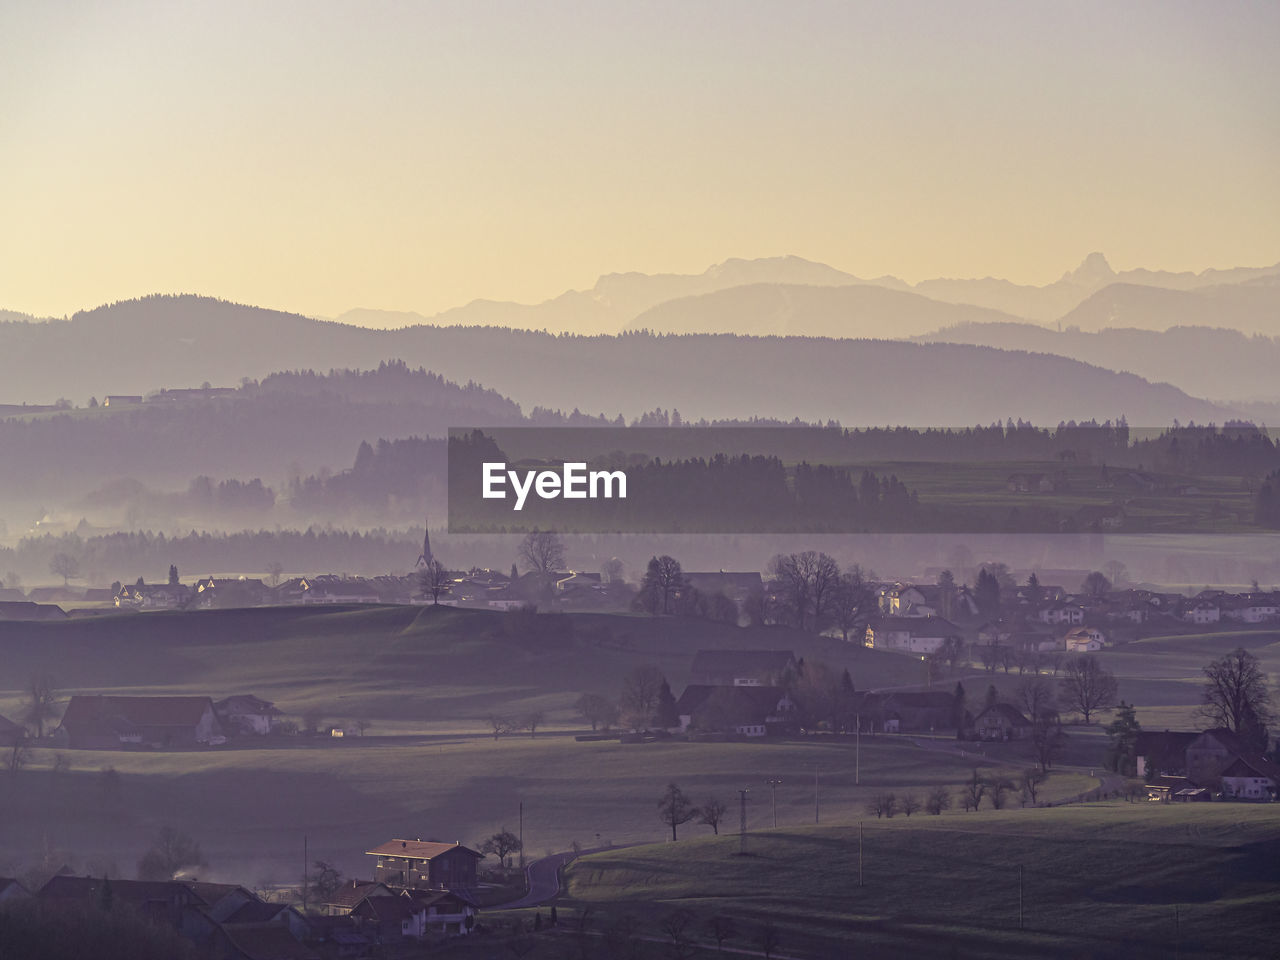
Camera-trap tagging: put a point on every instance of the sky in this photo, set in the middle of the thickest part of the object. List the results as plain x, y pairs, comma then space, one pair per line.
319, 156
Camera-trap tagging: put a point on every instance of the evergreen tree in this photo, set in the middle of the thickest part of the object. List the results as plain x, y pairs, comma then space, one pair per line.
1123, 733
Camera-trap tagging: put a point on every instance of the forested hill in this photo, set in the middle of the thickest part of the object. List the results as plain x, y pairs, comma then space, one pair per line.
138, 345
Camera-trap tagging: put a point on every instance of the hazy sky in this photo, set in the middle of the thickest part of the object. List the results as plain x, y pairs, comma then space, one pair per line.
318, 156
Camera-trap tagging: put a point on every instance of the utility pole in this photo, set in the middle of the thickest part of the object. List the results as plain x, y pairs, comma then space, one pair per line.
742, 821
815, 794
1019, 896
857, 752
1177, 933
859, 853
773, 786
521, 834
304, 874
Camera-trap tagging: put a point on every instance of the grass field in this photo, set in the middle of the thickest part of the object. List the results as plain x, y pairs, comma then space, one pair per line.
427, 678
1098, 880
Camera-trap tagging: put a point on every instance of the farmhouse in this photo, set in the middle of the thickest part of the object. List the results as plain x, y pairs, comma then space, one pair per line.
425, 865
914, 601
740, 668
1251, 778
911, 634
1202, 612
900, 710
1001, 721
748, 711
1162, 752
1071, 613
107, 723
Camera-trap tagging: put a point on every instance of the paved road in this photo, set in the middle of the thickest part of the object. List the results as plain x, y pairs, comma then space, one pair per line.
543, 878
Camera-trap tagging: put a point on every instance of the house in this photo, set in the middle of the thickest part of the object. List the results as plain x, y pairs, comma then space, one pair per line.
740, 668
120, 399
1254, 608
736, 586
30, 610
1162, 752
1202, 612
425, 865
923, 635
744, 710
1215, 751
1250, 778
1084, 640
451, 913
230, 592
162, 901
390, 918
898, 711
1100, 517
245, 713
11, 890
343, 900
1060, 613
106, 723
152, 596
1165, 788
331, 589
914, 601
1032, 483
1001, 721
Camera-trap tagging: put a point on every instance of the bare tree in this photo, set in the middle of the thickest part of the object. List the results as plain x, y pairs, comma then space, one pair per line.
973, 790
65, 566
852, 604
712, 814
910, 803
274, 571
500, 724
641, 689
19, 754
1031, 781
1088, 686
612, 570
768, 940
939, 799
1095, 585
532, 720
434, 580
998, 788
171, 853
721, 929
502, 845
883, 805
676, 926
674, 808
597, 710
542, 552
41, 702
1235, 696
323, 881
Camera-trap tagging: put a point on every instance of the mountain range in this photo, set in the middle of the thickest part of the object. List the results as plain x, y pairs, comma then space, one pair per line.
159, 341
618, 299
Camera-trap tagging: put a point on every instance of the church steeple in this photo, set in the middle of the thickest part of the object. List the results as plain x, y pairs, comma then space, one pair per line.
425, 559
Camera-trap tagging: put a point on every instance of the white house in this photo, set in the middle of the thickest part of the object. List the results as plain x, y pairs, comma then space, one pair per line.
1204, 612
1251, 779
1084, 640
911, 634
1059, 613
